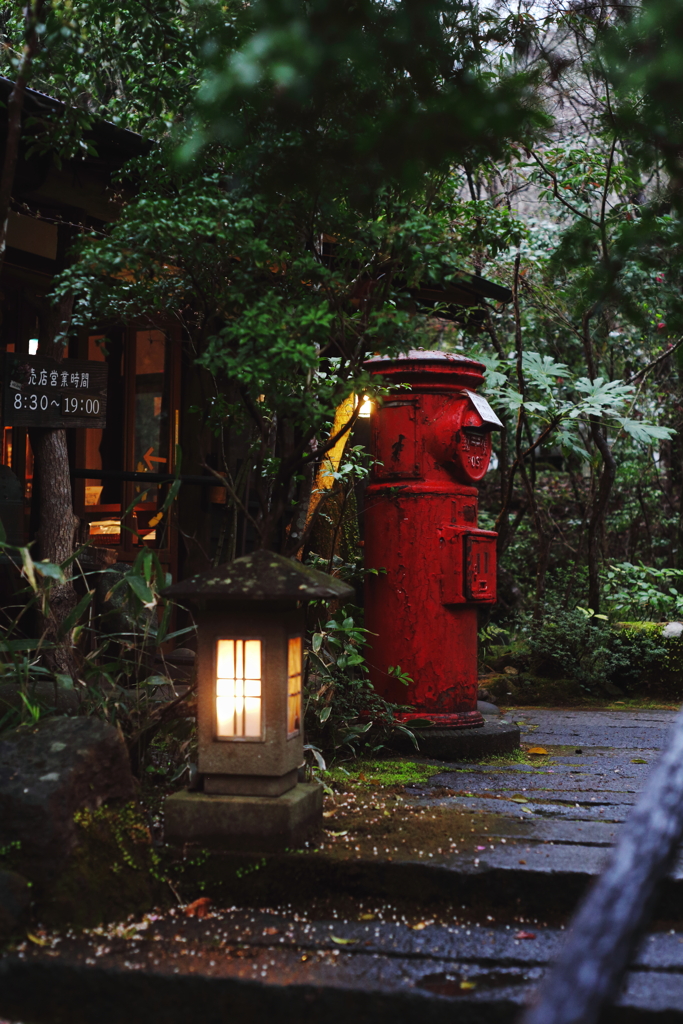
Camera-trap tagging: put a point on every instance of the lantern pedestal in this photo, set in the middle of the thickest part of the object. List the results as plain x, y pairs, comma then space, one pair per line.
258, 823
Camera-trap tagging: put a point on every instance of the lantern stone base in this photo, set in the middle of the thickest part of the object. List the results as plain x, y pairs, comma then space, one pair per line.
232, 822
250, 785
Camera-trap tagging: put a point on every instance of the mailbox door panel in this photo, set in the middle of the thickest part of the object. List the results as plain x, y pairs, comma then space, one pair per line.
395, 441
480, 573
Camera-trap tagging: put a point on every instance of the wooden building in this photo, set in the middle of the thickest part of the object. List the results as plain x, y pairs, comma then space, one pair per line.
126, 464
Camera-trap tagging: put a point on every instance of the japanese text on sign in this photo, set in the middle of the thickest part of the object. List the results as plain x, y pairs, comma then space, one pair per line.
40, 392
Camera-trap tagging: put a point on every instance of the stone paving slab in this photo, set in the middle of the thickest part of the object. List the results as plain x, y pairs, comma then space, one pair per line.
599, 729
588, 833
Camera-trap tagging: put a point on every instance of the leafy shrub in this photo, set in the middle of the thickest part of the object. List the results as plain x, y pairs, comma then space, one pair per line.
581, 646
641, 592
342, 708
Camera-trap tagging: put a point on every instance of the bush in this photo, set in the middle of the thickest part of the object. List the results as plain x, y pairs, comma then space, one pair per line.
342, 708
582, 647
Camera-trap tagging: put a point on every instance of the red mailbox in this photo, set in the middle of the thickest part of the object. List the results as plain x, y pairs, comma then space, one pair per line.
431, 444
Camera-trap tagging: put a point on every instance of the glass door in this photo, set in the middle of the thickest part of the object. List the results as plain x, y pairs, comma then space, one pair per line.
140, 439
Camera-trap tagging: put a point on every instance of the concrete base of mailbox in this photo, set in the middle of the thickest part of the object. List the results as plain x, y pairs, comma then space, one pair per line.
456, 744
244, 822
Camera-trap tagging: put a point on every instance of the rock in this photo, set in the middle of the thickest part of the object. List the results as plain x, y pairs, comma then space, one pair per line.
49, 772
15, 899
485, 708
178, 665
60, 696
182, 656
673, 629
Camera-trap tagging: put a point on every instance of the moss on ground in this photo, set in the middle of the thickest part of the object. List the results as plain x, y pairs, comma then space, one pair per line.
389, 772
385, 772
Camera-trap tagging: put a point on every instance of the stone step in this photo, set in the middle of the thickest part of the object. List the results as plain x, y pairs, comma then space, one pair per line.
539, 880
244, 966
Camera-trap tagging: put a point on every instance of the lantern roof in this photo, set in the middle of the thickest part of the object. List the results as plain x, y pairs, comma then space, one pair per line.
261, 576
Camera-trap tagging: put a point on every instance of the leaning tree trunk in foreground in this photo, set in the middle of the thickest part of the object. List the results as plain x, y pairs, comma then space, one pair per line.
57, 521
608, 924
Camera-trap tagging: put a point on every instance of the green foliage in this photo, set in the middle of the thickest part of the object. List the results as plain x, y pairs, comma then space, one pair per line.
133, 65
335, 158
343, 712
359, 93
644, 61
117, 648
282, 330
571, 646
580, 646
640, 592
560, 403
326, 131
129, 832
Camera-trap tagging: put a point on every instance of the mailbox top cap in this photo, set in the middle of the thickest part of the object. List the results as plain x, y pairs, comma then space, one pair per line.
421, 355
261, 576
426, 368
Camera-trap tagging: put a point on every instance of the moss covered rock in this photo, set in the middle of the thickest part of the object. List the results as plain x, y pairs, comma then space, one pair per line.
69, 824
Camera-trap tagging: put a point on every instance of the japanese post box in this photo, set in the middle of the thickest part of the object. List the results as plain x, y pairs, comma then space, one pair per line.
433, 566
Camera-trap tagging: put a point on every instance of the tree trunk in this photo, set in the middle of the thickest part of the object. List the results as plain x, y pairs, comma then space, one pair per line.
598, 512
57, 521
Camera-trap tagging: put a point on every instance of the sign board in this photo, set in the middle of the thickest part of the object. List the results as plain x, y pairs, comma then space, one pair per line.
41, 392
484, 409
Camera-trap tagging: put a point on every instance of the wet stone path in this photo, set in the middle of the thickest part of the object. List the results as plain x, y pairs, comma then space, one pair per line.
576, 796
447, 897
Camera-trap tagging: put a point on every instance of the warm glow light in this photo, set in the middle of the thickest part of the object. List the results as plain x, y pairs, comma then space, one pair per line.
365, 410
294, 686
238, 689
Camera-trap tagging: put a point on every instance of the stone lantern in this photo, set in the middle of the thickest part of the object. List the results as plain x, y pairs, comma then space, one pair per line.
250, 634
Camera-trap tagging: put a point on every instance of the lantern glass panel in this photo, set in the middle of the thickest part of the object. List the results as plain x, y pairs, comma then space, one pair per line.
294, 686
238, 689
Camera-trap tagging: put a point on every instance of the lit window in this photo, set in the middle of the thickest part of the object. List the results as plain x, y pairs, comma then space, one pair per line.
294, 686
238, 689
